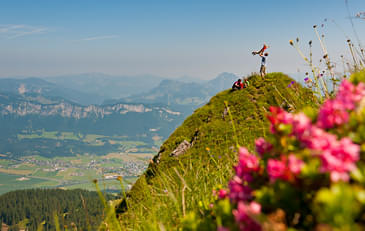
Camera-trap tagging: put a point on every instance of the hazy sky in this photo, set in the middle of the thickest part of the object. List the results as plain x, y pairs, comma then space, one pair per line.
171, 38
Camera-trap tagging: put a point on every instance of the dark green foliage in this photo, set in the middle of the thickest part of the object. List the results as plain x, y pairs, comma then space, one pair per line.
173, 186
32, 207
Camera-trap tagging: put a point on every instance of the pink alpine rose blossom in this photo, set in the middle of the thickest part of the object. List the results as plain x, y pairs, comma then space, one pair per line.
248, 161
238, 191
276, 169
243, 217
247, 164
222, 228
278, 116
339, 176
334, 112
340, 158
301, 123
222, 193
262, 146
295, 165
255, 208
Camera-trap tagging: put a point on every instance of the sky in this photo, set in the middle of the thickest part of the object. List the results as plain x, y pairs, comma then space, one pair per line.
169, 38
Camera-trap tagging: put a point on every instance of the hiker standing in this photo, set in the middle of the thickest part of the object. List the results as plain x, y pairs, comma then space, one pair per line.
263, 64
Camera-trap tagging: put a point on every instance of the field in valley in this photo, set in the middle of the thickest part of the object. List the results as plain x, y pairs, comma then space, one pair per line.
129, 159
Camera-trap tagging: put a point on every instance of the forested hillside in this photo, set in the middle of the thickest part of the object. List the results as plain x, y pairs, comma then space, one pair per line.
35, 208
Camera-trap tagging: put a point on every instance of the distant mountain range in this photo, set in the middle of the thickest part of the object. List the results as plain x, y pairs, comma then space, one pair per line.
86, 89
186, 96
30, 116
106, 86
40, 87
32, 106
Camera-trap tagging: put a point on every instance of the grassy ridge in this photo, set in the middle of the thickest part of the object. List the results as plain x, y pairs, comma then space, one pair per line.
173, 186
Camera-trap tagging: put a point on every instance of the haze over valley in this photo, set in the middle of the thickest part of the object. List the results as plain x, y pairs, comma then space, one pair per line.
65, 131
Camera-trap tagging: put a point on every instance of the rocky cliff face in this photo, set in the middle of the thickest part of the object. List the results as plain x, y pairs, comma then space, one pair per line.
69, 110
29, 114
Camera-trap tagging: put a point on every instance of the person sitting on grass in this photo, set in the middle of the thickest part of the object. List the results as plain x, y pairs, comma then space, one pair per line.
238, 85
263, 64
246, 83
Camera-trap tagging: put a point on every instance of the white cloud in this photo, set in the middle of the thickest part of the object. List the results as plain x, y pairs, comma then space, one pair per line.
12, 31
99, 37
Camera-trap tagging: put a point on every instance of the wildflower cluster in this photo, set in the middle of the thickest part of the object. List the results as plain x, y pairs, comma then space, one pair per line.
307, 171
241, 193
335, 112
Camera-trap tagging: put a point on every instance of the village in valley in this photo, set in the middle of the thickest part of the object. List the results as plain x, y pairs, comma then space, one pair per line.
72, 172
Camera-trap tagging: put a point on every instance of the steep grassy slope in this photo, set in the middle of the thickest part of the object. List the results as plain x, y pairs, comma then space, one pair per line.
174, 185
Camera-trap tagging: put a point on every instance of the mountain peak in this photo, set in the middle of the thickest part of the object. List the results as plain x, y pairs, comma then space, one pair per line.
206, 143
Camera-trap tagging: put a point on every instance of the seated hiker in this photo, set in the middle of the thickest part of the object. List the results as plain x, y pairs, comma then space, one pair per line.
237, 85
246, 83
260, 52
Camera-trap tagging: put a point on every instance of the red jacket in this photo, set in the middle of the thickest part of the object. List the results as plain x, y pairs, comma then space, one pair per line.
238, 84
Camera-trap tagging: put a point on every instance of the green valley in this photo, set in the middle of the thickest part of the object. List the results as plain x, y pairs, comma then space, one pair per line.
72, 172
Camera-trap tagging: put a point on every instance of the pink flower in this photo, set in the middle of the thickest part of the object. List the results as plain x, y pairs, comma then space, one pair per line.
332, 113
335, 112
248, 161
330, 162
340, 158
350, 94
317, 139
276, 169
255, 208
243, 217
339, 176
301, 123
295, 165
345, 95
238, 191
222, 228
262, 146
222, 193
247, 164
348, 150
240, 213
278, 116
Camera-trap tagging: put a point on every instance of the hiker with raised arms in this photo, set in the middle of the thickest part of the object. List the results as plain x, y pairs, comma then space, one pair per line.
263, 64
260, 52
263, 59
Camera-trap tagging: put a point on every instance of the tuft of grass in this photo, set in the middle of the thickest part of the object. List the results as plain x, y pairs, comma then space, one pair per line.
172, 187
110, 221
